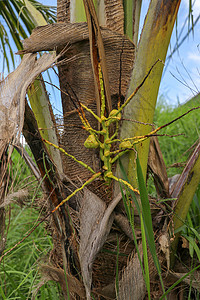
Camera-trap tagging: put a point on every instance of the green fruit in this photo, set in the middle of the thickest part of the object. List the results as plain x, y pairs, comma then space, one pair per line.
125, 145
113, 116
113, 112
106, 153
91, 142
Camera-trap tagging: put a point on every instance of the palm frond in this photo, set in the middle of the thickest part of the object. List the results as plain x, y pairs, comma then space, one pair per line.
16, 23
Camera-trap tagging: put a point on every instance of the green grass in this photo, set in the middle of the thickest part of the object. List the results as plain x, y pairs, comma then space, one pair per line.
20, 172
177, 150
174, 148
19, 270
19, 274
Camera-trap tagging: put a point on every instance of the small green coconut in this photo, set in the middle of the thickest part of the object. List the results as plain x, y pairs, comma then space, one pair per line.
113, 112
91, 142
125, 145
113, 116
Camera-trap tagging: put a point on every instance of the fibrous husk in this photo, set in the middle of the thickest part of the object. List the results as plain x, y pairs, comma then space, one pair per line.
82, 83
95, 224
111, 259
114, 12
132, 284
49, 37
63, 10
110, 13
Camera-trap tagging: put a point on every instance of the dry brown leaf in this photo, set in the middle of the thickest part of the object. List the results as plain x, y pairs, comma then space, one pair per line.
187, 174
97, 55
158, 168
165, 246
192, 280
16, 196
185, 242
13, 91
74, 285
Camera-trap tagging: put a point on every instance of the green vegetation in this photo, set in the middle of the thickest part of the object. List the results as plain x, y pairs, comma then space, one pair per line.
177, 149
19, 272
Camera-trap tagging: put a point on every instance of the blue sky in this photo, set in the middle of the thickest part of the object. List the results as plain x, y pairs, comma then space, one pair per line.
185, 61
184, 65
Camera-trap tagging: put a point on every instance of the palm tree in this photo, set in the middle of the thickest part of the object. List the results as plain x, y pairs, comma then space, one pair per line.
87, 242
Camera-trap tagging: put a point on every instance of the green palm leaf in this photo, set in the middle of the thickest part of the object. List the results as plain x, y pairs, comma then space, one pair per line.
16, 23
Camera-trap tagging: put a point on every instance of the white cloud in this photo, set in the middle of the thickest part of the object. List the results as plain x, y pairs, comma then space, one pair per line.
195, 57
